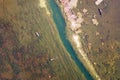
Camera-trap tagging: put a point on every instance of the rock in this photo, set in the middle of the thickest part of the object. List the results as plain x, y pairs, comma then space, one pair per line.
95, 22
98, 2
85, 10
97, 33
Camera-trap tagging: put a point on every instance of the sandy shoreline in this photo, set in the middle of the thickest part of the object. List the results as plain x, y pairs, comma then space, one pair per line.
42, 4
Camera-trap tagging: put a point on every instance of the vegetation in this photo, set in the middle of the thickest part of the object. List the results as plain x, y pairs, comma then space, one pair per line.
27, 56
102, 42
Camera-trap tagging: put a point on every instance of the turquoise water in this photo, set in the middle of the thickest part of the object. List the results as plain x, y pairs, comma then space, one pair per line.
60, 24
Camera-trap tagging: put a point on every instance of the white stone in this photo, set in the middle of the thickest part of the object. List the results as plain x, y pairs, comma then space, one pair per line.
98, 2
85, 10
73, 3
37, 34
95, 22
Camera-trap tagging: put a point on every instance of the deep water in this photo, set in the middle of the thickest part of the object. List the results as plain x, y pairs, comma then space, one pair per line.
60, 24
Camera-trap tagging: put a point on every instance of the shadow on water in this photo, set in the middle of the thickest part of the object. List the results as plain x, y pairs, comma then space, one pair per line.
60, 24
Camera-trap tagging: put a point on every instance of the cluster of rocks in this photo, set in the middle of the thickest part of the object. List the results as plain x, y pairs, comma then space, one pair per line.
75, 20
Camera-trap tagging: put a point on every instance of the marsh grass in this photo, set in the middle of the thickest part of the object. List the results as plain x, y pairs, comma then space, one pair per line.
24, 55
